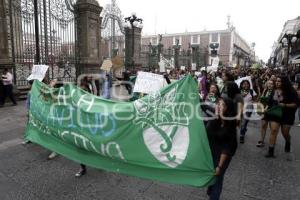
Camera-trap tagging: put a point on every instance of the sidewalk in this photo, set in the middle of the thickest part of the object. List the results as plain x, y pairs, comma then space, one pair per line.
25, 172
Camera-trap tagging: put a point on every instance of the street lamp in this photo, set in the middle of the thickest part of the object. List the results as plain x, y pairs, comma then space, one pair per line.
289, 39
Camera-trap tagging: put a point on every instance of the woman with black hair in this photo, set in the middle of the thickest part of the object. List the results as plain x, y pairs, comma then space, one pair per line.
209, 105
223, 142
266, 101
232, 91
286, 98
248, 96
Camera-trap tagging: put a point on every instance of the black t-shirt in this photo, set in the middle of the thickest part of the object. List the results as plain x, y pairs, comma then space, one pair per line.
222, 139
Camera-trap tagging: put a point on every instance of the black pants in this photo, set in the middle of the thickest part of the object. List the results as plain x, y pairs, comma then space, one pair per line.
214, 191
83, 167
128, 88
8, 92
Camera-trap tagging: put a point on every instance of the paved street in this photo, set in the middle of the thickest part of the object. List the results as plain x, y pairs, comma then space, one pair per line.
25, 172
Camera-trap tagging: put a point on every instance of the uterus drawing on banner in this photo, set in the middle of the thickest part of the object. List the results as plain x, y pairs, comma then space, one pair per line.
165, 127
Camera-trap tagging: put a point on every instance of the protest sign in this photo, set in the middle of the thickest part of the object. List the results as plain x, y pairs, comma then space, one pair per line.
215, 62
162, 67
106, 65
158, 137
38, 72
194, 65
148, 82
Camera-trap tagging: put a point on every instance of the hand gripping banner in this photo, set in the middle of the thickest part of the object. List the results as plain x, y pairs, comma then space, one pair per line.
160, 136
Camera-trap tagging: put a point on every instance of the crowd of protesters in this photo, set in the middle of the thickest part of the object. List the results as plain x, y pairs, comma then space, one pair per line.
226, 106
277, 91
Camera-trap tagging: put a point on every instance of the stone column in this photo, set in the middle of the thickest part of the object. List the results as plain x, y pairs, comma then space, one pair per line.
132, 47
88, 23
5, 47
133, 34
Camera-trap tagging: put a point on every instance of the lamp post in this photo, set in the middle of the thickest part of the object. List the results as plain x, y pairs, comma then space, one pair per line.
289, 39
132, 23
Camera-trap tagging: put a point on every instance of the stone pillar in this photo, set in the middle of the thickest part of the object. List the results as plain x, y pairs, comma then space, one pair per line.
5, 47
133, 34
132, 47
88, 23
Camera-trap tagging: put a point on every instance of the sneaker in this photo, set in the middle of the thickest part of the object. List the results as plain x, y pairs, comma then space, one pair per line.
52, 155
242, 139
26, 142
260, 144
80, 173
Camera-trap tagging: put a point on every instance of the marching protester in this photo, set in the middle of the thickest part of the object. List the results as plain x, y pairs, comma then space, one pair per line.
285, 101
248, 97
52, 84
7, 80
298, 92
266, 100
28, 108
210, 103
203, 85
223, 143
105, 92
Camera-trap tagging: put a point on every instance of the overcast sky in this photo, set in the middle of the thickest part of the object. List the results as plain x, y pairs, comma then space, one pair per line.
259, 21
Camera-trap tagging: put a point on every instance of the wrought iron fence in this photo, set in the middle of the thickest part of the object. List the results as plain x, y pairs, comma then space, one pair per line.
56, 39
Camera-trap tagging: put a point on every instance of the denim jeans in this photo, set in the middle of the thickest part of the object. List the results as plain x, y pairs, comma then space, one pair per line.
214, 191
245, 123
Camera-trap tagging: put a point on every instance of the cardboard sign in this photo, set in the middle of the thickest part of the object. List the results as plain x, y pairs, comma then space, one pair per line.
106, 65
38, 72
117, 62
148, 82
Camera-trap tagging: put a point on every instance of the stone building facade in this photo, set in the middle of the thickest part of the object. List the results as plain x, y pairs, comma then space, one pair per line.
231, 48
194, 47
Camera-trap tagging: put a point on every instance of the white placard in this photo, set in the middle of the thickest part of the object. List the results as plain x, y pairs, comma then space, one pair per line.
182, 67
162, 67
194, 65
215, 62
197, 73
38, 72
148, 82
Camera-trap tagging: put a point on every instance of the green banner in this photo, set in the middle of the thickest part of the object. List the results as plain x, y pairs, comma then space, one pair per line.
159, 137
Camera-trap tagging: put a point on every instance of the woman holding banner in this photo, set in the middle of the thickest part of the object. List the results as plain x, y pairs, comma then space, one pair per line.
223, 142
282, 113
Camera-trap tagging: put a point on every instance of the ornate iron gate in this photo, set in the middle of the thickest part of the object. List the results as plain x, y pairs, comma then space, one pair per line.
43, 31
